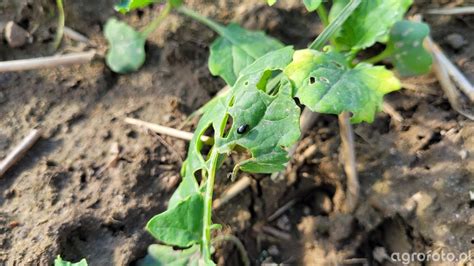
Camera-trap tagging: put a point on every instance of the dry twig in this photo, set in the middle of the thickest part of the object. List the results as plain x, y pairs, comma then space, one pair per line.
349, 158
76, 36
180, 134
466, 10
235, 189
46, 62
17, 153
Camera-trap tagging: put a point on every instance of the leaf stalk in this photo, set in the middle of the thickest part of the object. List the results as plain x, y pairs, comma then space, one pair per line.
60, 27
150, 28
207, 222
203, 19
321, 40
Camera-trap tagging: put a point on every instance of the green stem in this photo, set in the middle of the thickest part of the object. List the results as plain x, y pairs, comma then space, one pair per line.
375, 59
204, 20
323, 14
207, 222
157, 21
321, 40
60, 27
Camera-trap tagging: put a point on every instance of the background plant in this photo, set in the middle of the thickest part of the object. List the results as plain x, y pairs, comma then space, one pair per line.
259, 113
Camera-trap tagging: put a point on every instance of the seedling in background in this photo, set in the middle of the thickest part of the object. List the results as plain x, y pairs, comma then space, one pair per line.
60, 262
265, 77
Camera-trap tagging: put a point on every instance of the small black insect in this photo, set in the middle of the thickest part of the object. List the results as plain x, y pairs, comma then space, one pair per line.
242, 129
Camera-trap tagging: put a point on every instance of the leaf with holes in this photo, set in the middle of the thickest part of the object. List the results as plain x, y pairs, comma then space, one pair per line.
237, 48
159, 255
331, 87
127, 47
60, 262
179, 226
370, 22
270, 122
406, 45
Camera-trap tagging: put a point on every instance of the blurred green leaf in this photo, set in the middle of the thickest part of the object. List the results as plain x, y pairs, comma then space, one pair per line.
126, 47
128, 5
159, 255
271, 2
237, 48
312, 5
60, 262
370, 22
406, 44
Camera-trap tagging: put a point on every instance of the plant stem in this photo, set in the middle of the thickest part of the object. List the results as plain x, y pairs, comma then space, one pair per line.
375, 59
204, 20
157, 21
207, 222
60, 27
323, 15
321, 40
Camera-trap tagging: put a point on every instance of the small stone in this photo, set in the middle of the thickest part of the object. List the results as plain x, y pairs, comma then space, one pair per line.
463, 154
456, 41
15, 35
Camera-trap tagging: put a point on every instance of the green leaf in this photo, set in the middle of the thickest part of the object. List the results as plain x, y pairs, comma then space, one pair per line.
159, 255
272, 120
370, 22
179, 226
60, 262
312, 5
237, 48
406, 43
126, 47
128, 5
331, 87
271, 2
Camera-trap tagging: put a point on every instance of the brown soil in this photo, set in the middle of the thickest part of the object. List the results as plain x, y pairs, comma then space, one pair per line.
64, 197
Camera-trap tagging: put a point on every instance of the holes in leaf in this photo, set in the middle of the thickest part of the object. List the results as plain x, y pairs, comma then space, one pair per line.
198, 175
228, 126
312, 80
246, 83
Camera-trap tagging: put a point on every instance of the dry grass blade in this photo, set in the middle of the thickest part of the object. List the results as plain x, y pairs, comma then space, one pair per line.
452, 11
17, 153
236, 188
349, 158
47, 62
180, 134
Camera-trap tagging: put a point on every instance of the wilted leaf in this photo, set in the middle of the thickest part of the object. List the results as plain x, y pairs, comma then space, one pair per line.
237, 48
331, 87
60, 262
406, 43
159, 255
179, 226
370, 22
126, 47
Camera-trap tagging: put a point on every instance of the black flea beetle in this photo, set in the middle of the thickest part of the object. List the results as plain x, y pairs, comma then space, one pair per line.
242, 129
